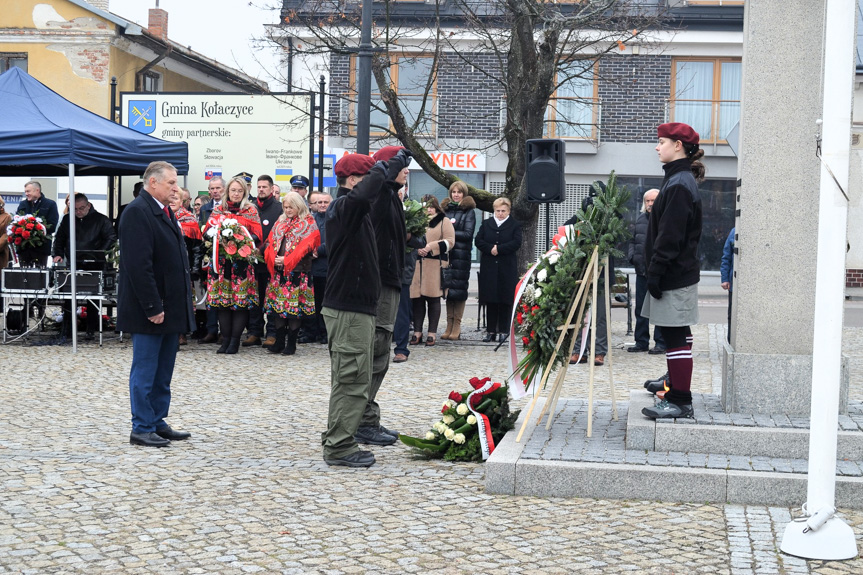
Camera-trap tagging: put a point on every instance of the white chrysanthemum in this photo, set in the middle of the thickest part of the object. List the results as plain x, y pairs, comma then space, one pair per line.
542, 275
458, 438
448, 419
471, 419
227, 233
537, 294
461, 409
449, 434
552, 259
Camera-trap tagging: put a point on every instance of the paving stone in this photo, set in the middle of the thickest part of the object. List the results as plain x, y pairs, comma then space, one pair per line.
250, 494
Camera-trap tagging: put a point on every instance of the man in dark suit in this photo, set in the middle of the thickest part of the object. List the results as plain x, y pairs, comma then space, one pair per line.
154, 302
216, 187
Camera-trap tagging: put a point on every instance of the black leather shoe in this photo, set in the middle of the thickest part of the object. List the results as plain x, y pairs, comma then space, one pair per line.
306, 338
323, 339
489, 337
148, 439
636, 349
173, 434
355, 459
656, 350
373, 436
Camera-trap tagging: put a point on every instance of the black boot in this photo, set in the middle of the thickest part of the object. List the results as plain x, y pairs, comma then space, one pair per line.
233, 346
280, 341
226, 342
291, 347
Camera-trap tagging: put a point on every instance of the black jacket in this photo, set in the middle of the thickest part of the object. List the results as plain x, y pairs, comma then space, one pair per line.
388, 219
498, 275
44, 208
319, 264
92, 232
269, 211
674, 229
154, 271
353, 275
635, 256
463, 219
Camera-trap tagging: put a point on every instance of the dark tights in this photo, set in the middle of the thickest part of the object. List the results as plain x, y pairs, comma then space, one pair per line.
419, 305
292, 323
232, 322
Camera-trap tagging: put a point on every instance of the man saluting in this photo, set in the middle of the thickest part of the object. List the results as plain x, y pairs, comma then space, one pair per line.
154, 302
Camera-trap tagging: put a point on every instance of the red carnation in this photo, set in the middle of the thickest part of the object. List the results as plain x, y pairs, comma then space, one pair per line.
17, 241
455, 396
519, 317
444, 409
30, 226
533, 333
525, 340
25, 234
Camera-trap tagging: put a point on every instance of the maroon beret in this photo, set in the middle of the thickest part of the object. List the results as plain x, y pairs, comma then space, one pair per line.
386, 153
678, 131
354, 165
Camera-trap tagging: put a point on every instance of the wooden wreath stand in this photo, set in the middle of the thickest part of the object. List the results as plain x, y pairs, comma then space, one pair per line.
579, 303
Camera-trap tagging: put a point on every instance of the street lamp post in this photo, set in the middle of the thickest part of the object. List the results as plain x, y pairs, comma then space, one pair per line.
364, 80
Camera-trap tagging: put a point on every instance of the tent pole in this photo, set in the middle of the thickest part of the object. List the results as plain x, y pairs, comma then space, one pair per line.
72, 245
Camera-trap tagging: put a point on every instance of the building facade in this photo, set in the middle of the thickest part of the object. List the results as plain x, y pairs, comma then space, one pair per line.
689, 71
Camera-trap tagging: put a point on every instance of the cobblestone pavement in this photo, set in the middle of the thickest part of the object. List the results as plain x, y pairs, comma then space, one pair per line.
250, 493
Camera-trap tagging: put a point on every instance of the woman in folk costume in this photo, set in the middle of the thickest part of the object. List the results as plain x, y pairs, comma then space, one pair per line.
232, 288
191, 234
290, 247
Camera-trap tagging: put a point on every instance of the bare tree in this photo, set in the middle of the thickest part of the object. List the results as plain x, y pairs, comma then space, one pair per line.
526, 49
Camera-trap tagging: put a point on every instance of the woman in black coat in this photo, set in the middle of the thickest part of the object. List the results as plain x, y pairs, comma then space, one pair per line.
498, 240
459, 208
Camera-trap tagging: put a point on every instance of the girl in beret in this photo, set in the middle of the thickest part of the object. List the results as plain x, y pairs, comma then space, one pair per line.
671, 253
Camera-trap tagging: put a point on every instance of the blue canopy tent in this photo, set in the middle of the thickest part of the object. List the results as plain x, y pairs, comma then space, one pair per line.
42, 133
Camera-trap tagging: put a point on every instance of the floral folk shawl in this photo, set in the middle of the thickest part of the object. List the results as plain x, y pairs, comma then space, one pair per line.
300, 235
188, 223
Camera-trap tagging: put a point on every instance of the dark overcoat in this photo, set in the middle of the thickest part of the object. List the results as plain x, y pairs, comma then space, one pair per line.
463, 220
498, 275
154, 271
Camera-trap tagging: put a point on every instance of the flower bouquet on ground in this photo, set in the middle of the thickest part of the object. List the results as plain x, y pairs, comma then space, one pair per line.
230, 242
471, 425
416, 219
27, 232
547, 291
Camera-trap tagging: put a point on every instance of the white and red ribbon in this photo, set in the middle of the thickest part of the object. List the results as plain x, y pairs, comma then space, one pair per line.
476, 397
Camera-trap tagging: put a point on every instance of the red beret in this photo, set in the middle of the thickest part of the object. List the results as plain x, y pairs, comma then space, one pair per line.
678, 131
354, 165
386, 153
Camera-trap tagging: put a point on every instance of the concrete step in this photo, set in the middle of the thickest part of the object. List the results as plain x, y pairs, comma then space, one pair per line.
750, 440
601, 467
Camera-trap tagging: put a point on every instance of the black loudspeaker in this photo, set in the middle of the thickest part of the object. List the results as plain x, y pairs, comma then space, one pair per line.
546, 181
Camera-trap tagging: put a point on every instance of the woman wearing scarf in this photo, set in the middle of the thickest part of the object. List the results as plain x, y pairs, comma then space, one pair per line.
498, 241
290, 296
191, 234
426, 289
232, 286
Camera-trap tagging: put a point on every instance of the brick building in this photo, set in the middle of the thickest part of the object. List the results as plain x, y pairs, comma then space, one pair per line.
689, 71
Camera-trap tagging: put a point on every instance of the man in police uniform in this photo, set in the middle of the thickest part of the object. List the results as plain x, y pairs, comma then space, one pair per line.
300, 184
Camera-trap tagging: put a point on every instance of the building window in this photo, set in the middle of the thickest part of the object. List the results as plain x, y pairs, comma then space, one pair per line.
152, 82
715, 2
573, 110
706, 95
415, 82
13, 60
